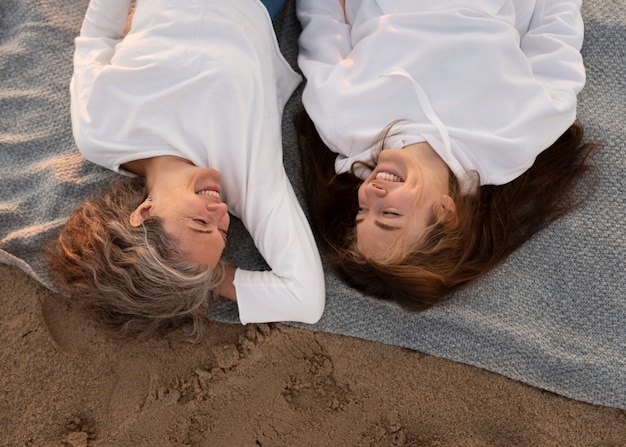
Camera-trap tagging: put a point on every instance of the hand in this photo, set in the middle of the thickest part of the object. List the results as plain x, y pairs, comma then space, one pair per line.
227, 288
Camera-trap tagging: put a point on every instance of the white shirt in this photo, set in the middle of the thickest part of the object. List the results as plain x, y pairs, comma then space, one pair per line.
489, 84
204, 81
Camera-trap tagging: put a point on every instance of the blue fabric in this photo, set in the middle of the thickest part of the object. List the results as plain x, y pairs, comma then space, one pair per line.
273, 6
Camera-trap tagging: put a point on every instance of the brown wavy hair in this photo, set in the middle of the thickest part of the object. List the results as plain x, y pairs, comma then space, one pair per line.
132, 280
492, 222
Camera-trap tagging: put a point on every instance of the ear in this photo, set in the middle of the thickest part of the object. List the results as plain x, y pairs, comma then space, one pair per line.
140, 214
447, 211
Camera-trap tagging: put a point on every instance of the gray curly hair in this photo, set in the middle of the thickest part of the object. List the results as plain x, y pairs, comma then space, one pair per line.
134, 281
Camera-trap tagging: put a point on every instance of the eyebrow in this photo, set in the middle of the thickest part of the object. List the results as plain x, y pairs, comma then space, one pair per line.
380, 225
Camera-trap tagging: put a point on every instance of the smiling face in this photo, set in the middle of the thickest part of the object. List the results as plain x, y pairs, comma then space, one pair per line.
406, 190
187, 199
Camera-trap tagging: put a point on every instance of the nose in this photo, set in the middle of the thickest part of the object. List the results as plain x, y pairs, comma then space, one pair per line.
376, 189
211, 173
217, 210
216, 173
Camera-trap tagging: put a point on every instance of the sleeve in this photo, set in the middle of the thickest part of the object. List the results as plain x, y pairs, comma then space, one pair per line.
546, 98
103, 28
552, 46
325, 37
325, 47
294, 290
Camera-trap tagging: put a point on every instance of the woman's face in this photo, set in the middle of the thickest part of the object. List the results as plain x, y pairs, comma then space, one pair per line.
399, 198
188, 201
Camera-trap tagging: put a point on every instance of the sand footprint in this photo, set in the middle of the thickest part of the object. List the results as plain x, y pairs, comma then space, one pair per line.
314, 384
388, 431
68, 328
134, 383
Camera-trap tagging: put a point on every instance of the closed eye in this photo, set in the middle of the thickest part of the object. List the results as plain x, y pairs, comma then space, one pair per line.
199, 225
391, 213
224, 233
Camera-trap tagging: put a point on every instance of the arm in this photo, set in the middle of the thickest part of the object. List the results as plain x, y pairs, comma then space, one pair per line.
325, 47
294, 290
552, 46
325, 37
551, 74
104, 26
257, 190
227, 286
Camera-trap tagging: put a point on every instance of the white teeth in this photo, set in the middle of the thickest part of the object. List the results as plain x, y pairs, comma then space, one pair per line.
207, 192
388, 176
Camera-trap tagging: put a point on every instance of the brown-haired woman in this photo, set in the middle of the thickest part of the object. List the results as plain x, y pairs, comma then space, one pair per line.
441, 135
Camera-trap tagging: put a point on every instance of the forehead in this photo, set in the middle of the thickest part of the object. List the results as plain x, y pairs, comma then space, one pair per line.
376, 241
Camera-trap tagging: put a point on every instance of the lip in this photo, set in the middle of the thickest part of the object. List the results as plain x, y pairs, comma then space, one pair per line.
393, 162
210, 188
216, 198
387, 168
388, 171
208, 179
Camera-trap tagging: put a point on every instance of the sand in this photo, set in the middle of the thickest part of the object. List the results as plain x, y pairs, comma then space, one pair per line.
65, 382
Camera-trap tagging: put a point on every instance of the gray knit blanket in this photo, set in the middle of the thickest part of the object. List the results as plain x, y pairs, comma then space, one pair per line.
553, 315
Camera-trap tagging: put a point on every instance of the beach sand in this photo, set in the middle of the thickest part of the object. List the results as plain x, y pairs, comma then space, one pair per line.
65, 382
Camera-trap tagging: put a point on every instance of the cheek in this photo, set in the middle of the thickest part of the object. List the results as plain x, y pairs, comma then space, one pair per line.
405, 200
206, 253
225, 221
421, 218
363, 237
363, 243
361, 192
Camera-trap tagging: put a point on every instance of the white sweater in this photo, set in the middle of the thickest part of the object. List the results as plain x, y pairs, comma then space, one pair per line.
204, 81
489, 83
